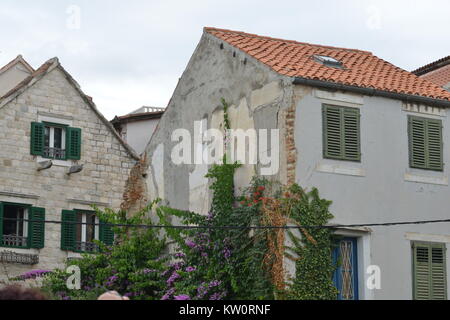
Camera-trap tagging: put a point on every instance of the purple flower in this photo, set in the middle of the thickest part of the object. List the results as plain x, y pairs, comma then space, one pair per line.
217, 296
113, 278
226, 253
177, 265
147, 271
182, 297
33, 274
191, 269
180, 255
172, 278
168, 294
215, 283
190, 244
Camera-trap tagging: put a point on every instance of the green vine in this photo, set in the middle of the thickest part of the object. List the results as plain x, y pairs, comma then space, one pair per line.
314, 263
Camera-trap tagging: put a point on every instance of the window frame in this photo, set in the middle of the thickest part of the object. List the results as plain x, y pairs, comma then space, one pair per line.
52, 126
83, 233
26, 226
342, 133
429, 246
412, 162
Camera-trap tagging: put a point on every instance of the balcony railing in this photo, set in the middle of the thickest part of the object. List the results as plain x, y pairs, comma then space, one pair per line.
86, 246
54, 153
14, 241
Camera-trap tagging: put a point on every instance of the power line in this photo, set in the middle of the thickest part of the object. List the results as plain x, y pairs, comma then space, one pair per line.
145, 226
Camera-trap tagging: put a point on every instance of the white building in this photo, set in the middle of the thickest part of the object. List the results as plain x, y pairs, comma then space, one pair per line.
137, 127
373, 138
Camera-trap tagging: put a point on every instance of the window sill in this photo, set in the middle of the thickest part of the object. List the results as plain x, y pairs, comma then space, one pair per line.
340, 169
59, 163
428, 179
20, 250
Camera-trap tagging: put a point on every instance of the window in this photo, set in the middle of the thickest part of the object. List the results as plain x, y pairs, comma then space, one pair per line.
86, 232
55, 141
425, 143
20, 226
80, 230
328, 61
341, 133
429, 271
345, 277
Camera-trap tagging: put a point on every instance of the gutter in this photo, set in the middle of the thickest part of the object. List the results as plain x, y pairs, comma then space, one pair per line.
410, 98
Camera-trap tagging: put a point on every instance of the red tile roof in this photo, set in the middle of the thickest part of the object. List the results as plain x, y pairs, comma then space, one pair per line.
437, 72
360, 68
440, 77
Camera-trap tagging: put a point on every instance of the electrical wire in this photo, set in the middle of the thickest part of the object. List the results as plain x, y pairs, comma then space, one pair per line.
146, 226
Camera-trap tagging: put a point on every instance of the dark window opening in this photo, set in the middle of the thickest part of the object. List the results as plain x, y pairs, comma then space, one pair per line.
15, 228
86, 231
54, 142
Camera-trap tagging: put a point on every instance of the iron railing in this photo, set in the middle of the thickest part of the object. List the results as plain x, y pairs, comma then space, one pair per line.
54, 153
14, 241
86, 246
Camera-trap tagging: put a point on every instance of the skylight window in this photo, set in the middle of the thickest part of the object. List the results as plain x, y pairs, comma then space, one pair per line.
328, 61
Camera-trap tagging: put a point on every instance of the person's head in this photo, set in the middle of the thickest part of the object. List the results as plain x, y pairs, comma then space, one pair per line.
112, 295
15, 292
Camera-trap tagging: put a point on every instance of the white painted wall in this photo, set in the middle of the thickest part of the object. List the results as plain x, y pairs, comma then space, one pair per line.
138, 133
382, 188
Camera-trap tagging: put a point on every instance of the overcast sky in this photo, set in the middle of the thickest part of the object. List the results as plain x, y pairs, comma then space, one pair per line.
127, 54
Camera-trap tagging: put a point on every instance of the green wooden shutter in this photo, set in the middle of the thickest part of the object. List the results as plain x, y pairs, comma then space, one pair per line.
68, 230
341, 133
332, 132
106, 234
422, 286
434, 144
37, 139
351, 134
429, 271
438, 272
36, 229
1, 223
73, 143
425, 143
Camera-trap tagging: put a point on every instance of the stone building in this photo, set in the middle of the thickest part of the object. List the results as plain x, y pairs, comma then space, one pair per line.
437, 72
373, 138
58, 156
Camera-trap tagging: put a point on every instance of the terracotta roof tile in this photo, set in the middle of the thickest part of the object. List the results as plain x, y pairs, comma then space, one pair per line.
440, 77
360, 68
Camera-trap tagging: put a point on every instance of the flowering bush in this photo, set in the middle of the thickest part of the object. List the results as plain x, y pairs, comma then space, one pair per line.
132, 266
33, 274
215, 262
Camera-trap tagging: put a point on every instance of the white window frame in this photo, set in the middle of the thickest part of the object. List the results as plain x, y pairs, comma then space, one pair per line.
84, 227
51, 142
25, 222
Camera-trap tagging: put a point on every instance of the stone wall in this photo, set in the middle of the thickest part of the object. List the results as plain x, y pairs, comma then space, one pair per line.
106, 161
256, 95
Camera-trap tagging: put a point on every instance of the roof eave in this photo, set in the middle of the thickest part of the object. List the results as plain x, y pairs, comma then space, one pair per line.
410, 98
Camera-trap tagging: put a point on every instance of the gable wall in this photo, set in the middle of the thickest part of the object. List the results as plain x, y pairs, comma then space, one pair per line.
255, 95
12, 77
106, 162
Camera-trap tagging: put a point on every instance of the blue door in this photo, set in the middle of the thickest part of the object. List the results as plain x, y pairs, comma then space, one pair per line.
345, 277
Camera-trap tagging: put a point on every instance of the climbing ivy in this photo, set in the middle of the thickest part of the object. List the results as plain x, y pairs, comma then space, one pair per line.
312, 249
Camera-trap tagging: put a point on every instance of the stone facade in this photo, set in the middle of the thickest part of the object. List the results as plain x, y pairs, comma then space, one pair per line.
53, 95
